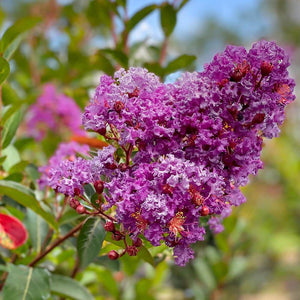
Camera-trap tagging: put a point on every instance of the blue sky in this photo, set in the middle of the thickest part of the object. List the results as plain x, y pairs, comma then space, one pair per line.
195, 12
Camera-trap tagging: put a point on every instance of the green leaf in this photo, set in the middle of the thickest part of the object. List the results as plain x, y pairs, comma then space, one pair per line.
118, 55
25, 197
18, 167
154, 67
8, 111
89, 191
140, 15
4, 69
26, 283
10, 128
68, 287
103, 63
18, 177
12, 47
12, 157
37, 229
2, 159
15, 30
69, 216
89, 242
182, 4
180, 62
9, 95
205, 273
144, 254
109, 264
168, 18
122, 2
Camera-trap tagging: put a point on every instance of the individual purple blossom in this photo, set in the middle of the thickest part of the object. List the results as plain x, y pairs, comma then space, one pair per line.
51, 112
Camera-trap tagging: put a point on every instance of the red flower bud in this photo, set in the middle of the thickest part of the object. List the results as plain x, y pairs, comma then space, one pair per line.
113, 255
167, 189
102, 131
118, 106
110, 166
266, 68
109, 226
204, 211
77, 191
73, 203
80, 209
99, 186
137, 243
132, 250
122, 167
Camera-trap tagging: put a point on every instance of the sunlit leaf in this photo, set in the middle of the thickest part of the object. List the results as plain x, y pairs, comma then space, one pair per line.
139, 16
4, 69
10, 127
15, 30
144, 254
181, 62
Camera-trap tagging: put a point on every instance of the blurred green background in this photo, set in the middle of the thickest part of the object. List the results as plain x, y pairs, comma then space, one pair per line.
258, 254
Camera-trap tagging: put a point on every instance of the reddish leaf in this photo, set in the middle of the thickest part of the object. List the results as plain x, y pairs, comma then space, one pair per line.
12, 232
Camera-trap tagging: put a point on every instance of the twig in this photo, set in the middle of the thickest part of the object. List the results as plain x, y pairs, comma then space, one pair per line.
76, 268
113, 27
163, 52
55, 244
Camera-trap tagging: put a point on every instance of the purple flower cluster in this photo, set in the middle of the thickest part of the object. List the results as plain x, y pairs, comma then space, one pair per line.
181, 151
53, 111
66, 152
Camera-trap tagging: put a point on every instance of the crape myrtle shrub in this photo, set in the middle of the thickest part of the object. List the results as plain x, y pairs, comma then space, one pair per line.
179, 151
147, 169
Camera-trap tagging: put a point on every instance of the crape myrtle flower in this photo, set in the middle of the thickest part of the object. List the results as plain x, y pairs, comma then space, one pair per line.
53, 111
180, 152
70, 175
65, 151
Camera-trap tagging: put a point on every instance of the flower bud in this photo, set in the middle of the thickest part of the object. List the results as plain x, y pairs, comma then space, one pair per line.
132, 250
204, 210
113, 255
118, 106
73, 203
102, 131
77, 191
266, 68
137, 243
167, 189
117, 236
110, 166
99, 186
109, 226
122, 167
80, 209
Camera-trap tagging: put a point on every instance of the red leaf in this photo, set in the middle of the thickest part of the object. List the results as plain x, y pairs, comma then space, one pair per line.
13, 234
